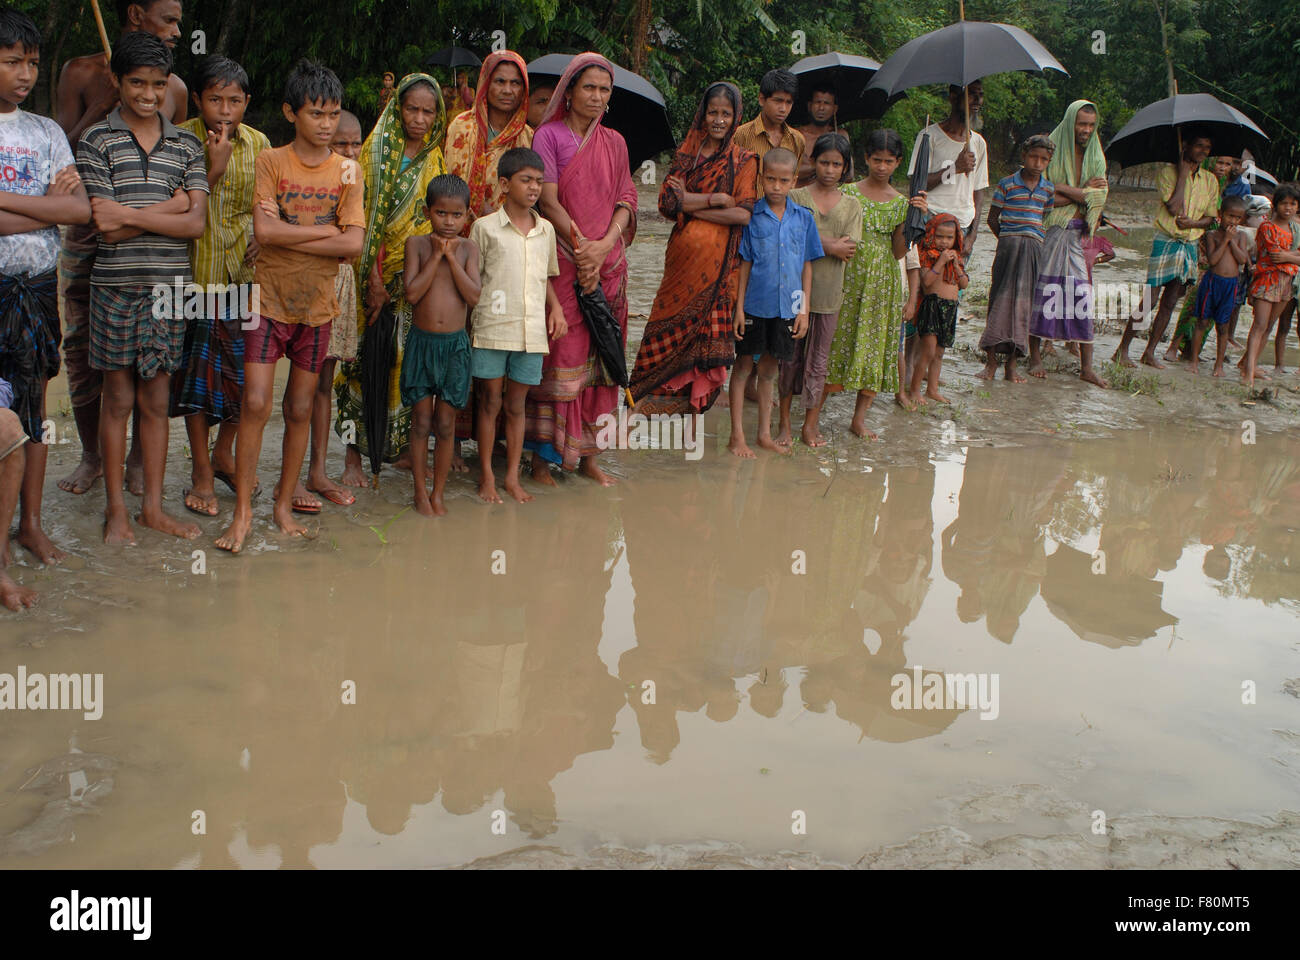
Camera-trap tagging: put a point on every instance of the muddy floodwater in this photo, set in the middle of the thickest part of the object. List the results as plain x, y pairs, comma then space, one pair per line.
713, 662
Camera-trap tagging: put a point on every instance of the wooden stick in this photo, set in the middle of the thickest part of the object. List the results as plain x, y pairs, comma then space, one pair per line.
103, 34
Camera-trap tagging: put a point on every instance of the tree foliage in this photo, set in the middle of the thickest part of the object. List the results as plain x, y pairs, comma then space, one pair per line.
1243, 51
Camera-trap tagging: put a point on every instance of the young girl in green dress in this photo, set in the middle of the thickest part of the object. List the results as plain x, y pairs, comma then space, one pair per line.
863, 353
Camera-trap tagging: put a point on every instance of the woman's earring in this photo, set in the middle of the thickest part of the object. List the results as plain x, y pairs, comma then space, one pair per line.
607, 108
568, 104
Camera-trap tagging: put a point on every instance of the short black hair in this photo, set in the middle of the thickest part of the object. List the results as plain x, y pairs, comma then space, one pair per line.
124, 5
1286, 191
219, 71
782, 157
136, 49
17, 29
1087, 108
519, 158
1233, 203
447, 185
311, 82
779, 80
824, 88
1193, 133
1039, 141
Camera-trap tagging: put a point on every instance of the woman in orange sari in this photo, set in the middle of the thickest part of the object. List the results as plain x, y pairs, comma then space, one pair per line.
477, 138
710, 190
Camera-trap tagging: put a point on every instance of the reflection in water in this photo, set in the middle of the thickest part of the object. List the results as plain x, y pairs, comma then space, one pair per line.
473, 688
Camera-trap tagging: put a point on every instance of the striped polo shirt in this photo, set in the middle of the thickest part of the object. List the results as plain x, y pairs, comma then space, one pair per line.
218, 255
112, 165
1022, 208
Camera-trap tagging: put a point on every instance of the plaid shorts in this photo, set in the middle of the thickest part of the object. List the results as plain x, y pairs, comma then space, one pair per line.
125, 332
268, 340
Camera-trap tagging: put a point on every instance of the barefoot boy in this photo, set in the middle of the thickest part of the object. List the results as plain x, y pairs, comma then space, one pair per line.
39, 188
442, 284
1016, 219
344, 330
515, 318
942, 277
207, 388
775, 290
307, 213
1226, 250
148, 190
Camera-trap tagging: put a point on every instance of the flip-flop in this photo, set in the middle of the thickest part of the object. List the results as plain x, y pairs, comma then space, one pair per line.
308, 508
229, 481
335, 496
200, 513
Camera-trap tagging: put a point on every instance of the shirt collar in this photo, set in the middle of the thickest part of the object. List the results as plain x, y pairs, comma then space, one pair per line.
504, 220
115, 122
1019, 180
756, 125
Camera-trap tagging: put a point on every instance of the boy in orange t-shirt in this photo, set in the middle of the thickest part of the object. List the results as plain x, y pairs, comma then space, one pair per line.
307, 214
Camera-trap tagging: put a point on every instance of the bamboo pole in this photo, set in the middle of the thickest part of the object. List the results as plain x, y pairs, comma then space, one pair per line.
103, 34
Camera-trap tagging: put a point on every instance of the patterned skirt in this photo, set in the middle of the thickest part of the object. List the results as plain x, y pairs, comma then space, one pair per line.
29, 343
211, 378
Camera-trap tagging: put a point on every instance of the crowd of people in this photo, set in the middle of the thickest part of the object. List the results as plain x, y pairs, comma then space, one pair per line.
476, 247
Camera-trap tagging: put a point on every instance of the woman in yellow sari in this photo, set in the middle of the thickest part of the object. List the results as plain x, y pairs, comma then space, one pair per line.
398, 160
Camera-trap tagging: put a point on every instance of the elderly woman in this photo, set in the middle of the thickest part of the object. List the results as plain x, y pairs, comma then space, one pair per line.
587, 193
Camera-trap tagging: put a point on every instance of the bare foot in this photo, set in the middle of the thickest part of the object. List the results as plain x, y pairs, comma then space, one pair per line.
812, 438
516, 490
353, 474
1150, 360
904, 401
740, 448
35, 540
1123, 360
784, 439
13, 596
403, 462
1232, 342
202, 501
134, 478
439, 507
859, 429
1073, 347
989, 372
936, 396
233, 538
458, 464
1280, 371
918, 400
767, 443
164, 522
1036, 370
588, 468
1171, 354
117, 528
1048, 349
542, 472
422, 504
83, 477
487, 491
1218, 370
1012, 374
283, 517
1089, 375
1261, 374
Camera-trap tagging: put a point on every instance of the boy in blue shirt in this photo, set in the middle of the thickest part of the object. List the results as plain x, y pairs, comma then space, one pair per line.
776, 253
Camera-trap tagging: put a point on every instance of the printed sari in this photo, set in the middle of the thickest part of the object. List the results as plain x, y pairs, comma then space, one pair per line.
472, 153
395, 212
561, 414
689, 341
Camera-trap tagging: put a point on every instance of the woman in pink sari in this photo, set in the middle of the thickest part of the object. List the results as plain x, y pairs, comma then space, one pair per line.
587, 194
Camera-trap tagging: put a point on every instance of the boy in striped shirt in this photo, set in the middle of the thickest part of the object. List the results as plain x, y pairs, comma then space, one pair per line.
148, 193
206, 389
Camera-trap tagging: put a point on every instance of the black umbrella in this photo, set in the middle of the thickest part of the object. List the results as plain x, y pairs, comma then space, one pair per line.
1262, 183
1153, 135
846, 73
378, 353
606, 333
959, 54
453, 58
636, 108
914, 223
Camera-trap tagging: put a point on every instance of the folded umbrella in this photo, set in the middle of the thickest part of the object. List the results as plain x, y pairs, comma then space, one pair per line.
914, 223
636, 109
1153, 135
847, 73
606, 333
378, 354
959, 54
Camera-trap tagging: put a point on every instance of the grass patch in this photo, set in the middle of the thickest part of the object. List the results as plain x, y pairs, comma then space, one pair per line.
1133, 380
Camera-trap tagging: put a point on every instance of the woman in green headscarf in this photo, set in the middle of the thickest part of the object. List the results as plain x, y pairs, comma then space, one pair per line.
1063, 302
399, 158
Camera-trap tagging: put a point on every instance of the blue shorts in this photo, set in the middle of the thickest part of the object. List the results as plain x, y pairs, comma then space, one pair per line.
516, 365
1216, 297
